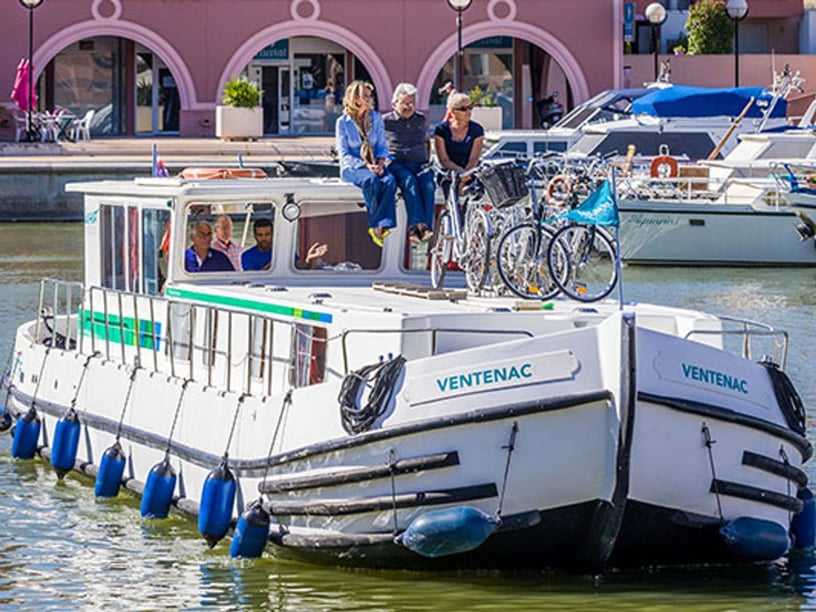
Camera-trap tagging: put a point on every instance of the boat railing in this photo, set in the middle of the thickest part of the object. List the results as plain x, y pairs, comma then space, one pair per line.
215, 345
747, 331
699, 189
58, 312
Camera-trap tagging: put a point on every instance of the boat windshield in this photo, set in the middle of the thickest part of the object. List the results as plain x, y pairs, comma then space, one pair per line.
229, 237
334, 237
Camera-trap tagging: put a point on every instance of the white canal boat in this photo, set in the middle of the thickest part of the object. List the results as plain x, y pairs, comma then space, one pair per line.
350, 414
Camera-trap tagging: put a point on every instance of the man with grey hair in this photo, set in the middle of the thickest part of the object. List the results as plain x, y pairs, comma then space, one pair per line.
409, 148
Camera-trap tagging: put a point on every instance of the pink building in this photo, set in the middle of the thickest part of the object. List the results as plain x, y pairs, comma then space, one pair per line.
158, 66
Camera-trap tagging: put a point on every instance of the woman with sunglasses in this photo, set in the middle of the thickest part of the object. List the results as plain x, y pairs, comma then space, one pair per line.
459, 140
363, 152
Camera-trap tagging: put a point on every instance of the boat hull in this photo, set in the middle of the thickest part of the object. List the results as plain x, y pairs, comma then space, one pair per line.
668, 233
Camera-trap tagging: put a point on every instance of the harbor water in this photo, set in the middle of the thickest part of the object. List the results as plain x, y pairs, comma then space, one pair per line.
60, 548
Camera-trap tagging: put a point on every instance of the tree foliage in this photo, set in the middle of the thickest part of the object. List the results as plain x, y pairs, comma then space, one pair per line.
710, 29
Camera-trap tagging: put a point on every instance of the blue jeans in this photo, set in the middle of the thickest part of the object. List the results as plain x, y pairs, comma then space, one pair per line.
418, 190
379, 193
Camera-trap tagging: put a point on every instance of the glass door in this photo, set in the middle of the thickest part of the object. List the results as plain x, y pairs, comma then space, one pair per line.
284, 100
157, 99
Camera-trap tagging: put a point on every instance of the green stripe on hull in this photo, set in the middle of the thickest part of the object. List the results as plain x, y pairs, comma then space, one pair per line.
234, 302
94, 324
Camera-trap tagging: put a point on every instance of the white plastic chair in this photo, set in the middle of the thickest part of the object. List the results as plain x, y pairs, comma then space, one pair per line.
19, 124
82, 127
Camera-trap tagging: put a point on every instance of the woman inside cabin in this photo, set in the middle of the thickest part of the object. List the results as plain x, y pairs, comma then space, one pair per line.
363, 152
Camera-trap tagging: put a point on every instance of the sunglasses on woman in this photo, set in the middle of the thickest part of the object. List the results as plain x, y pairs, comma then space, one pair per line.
463, 108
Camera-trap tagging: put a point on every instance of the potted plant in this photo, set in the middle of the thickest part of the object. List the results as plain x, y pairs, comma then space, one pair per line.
240, 116
144, 107
486, 109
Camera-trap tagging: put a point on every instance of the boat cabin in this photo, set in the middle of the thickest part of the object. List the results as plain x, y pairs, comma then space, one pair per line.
137, 243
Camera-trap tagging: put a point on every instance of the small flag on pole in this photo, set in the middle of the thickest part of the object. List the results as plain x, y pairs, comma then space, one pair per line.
158, 165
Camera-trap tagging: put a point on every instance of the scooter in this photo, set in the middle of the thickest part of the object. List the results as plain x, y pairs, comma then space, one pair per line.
550, 110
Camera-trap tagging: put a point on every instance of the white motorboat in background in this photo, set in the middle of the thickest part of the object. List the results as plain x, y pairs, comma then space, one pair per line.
348, 413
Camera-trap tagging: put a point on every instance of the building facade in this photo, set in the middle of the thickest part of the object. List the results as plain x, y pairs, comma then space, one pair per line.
156, 67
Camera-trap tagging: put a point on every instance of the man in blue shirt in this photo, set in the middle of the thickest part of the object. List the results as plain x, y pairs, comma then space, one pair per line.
259, 257
200, 257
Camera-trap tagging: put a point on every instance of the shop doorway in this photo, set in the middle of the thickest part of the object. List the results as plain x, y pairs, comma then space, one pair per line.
276, 102
157, 98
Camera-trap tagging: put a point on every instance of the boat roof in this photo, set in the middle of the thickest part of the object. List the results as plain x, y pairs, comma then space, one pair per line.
689, 101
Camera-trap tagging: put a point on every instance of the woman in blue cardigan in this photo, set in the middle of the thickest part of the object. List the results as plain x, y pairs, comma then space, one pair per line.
363, 153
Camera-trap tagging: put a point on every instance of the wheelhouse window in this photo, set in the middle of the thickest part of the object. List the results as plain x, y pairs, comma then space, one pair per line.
129, 244
334, 237
229, 237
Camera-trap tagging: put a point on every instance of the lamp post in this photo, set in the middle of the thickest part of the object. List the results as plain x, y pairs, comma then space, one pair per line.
460, 6
656, 16
30, 5
737, 10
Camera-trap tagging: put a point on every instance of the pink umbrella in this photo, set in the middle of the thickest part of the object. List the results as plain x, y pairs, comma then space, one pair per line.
20, 91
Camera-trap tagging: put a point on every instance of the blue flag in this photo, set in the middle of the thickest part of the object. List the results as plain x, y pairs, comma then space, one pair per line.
599, 208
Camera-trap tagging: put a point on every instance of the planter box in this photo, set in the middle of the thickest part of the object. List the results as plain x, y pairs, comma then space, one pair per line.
232, 123
490, 117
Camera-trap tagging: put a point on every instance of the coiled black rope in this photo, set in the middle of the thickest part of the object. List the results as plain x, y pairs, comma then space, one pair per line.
787, 397
356, 418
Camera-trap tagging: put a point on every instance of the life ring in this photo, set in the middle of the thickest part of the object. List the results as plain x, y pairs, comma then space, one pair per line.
559, 184
222, 173
663, 166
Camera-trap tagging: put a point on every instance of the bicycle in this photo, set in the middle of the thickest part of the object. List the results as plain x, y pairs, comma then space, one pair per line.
521, 255
582, 256
463, 232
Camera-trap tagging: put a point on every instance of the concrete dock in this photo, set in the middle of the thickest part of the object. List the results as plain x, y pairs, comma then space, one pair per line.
33, 175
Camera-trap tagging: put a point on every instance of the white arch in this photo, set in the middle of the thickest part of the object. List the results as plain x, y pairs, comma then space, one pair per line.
361, 49
126, 29
516, 29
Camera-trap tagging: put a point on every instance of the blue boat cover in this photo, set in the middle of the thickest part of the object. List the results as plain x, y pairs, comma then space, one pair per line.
688, 101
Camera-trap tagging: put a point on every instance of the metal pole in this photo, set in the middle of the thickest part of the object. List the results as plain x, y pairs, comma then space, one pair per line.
736, 52
656, 50
459, 72
29, 124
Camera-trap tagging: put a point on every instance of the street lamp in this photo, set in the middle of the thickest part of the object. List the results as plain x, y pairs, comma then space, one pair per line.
656, 16
460, 6
737, 10
30, 5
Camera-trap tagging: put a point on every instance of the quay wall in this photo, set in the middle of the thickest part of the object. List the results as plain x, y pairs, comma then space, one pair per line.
36, 191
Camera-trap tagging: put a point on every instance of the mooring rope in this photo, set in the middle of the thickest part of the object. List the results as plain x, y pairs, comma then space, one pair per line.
175, 416
287, 401
709, 443
8, 376
241, 399
785, 460
82, 377
136, 368
392, 460
511, 445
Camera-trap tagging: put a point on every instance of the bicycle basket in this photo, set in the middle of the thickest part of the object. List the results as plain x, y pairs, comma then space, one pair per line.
505, 183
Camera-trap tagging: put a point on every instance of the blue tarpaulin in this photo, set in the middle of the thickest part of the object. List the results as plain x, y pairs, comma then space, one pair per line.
688, 101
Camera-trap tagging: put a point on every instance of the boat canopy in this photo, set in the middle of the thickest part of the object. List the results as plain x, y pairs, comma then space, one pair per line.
688, 101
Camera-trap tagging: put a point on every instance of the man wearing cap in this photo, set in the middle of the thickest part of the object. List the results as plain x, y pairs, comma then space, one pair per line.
447, 90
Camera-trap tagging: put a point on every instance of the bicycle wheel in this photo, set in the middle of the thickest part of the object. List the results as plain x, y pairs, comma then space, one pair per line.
440, 251
522, 261
477, 237
592, 270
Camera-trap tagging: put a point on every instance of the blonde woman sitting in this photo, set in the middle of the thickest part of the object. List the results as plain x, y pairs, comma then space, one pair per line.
363, 153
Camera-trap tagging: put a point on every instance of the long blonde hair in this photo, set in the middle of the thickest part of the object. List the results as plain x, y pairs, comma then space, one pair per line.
354, 91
